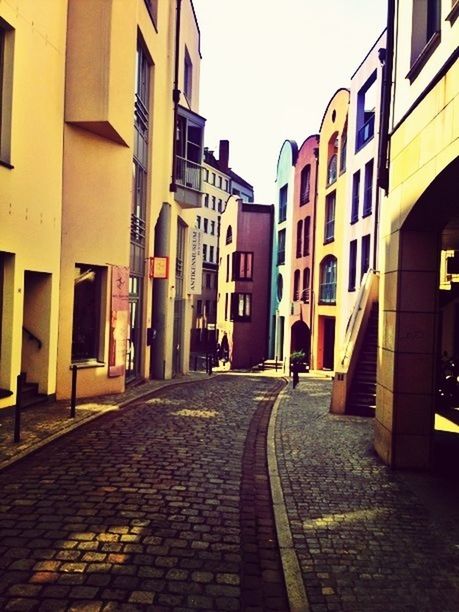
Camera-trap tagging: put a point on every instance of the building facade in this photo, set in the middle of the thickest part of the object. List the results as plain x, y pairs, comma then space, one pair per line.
244, 287
329, 269
281, 270
102, 261
303, 239
419, 170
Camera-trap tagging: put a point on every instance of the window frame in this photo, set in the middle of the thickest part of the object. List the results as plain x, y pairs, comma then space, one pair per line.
328, 286
96, 316
237, 299
329, 220
305, 184
244, 260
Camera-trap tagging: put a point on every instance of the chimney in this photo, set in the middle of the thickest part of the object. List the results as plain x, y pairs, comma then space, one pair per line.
223, 155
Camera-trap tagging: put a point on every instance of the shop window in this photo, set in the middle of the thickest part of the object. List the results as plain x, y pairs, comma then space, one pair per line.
87, 312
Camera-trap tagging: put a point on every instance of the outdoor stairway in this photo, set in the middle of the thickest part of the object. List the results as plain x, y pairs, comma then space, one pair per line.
362, 395
30, 394
269, 364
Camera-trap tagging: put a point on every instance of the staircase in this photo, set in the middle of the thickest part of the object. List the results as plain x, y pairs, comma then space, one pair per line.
30, 395
269, 364
362, 395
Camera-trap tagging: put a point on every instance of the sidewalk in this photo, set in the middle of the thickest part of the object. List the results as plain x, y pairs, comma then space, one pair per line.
366, 537
42, 423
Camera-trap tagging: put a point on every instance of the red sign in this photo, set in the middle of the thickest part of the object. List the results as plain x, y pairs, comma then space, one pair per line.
119, 321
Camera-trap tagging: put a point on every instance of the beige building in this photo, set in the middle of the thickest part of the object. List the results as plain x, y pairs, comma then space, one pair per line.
419, 222
116, 122
32, 44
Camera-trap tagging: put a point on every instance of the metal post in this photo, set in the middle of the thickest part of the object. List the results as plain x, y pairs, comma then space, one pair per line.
17, 408
73, 396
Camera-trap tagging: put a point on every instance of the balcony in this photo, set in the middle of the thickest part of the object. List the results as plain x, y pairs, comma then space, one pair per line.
187, 180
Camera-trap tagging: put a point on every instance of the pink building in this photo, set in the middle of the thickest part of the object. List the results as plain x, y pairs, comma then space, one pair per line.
244, 281
304, 200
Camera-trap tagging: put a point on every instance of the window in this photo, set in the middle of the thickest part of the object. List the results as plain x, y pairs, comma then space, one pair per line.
188, 76
307, 237
211, 253
366, 107
365, 261
352, 264
152, 6
199, 308
190, 130
206, 175
343, 151
329, 230
299, 238
204, 252
281, 247
208, 281
226, 306
280, 287
296, 285
327, 288
425, 26
6, 90
241, 306
206, 200
212, 227
213, 202
228, 260
206, 225
305, 184
207, 311
368, 194
283, 203
306, 284
220, 182
198, 221
213, 178
332, 169
229, 235
226, 185
355, 197
87, 300
220, 205
242, 265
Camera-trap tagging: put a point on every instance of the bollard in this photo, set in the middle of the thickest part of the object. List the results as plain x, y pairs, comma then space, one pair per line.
17, 408
296, 377
73, 396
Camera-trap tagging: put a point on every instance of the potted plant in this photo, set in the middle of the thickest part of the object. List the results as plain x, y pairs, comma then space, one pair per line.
298, 361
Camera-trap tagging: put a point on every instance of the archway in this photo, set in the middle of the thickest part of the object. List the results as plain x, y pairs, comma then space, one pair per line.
413, 338
300, 338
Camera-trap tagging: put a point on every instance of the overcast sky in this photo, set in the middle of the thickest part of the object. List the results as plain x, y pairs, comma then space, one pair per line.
269, 69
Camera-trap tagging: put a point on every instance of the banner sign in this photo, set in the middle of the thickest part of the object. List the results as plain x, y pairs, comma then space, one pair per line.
195, 284
119, 321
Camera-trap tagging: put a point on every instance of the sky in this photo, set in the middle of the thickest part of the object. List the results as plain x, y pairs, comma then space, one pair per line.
269, 69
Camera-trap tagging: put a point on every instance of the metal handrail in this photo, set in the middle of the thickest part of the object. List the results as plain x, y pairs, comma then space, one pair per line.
32, 336
357, 308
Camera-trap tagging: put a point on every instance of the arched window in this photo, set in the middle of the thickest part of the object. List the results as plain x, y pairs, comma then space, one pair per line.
307, 236
229, 235
306, 284
305, 184
343, 151
299, 238
327, 288
332, 166
296, 285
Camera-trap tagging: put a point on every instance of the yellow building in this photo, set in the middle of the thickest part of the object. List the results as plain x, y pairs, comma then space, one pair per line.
329, 221
100, 172
418, 222
32, 73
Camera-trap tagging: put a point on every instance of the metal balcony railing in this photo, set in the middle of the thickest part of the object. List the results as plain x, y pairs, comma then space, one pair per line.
187, 173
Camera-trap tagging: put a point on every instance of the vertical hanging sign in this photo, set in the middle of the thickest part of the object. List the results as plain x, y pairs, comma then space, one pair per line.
195, 278
119, 321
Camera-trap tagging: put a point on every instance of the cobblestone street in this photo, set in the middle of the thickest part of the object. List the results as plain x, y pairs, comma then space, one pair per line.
142, 509
365, 540
166, 504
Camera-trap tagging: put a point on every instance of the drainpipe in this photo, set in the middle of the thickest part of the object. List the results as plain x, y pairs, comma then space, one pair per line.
176, 91
313, 251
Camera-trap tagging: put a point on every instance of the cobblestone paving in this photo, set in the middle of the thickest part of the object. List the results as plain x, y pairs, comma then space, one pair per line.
41, 421
141, 509
365, 541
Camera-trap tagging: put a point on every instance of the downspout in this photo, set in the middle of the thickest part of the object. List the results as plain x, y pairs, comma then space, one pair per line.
176, 91
270, 288
313, 251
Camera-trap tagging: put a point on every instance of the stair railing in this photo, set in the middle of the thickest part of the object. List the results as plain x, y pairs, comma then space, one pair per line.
362, 298
32, 336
